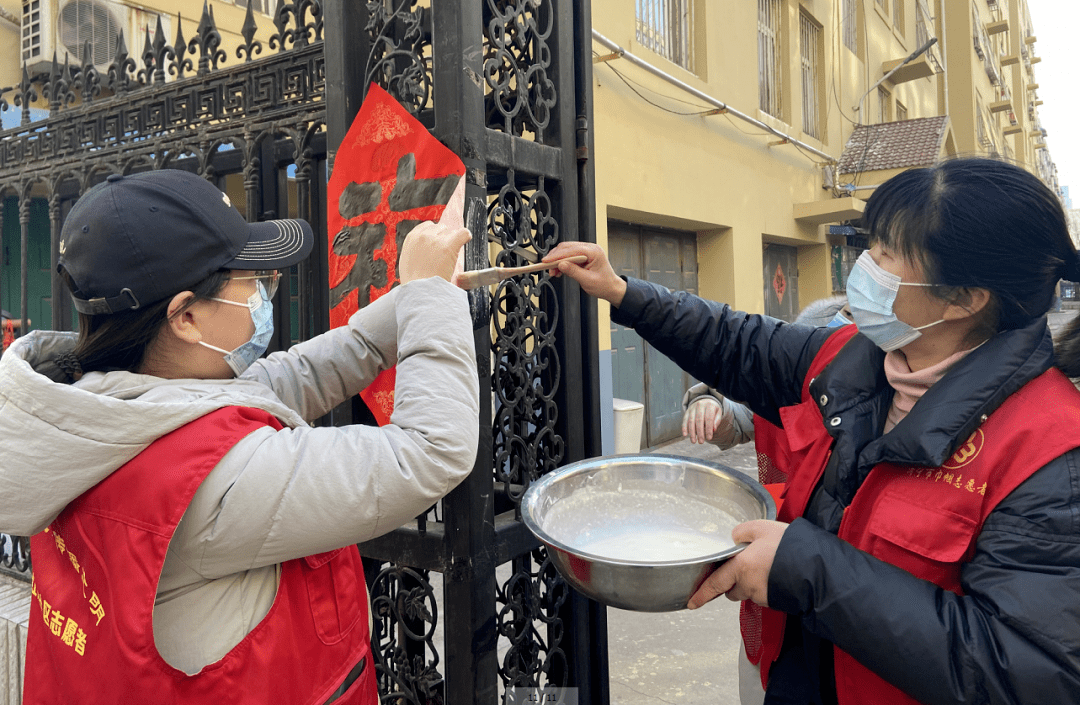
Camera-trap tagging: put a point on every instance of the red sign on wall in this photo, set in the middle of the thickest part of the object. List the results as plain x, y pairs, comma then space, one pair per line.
779, 284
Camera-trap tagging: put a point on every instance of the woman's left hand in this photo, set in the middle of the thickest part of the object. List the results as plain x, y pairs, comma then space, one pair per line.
746, 575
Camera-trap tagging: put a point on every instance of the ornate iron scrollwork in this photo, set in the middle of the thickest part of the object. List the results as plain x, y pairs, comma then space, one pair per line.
404, 615
517, 57
298, 32
531, 600
525, 318
400, 56
248, 120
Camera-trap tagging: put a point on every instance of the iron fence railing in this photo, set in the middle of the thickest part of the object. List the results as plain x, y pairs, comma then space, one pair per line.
506, 85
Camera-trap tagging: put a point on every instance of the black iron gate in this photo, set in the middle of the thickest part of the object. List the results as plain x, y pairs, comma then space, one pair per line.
506, 84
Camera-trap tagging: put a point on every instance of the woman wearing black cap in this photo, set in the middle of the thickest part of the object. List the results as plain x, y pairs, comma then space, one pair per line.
929, 549
188, 524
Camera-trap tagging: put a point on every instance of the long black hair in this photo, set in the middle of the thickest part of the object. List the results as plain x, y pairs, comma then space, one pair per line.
985, 223
120, 341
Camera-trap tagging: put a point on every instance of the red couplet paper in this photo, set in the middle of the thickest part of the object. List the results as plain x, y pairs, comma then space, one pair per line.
389, 175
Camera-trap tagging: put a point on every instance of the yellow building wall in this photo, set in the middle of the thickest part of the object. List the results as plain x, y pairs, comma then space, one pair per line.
718, 176
10, 68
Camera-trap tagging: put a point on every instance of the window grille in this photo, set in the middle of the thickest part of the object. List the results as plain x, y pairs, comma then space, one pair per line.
31, 30
922, 22
810, 47
769, 56
851, 26
979, 35
262, 6
667, 28
981, 133
898, 15
901, 111
883, 104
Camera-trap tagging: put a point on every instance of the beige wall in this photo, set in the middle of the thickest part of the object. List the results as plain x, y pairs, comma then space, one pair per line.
718, 176
10, 71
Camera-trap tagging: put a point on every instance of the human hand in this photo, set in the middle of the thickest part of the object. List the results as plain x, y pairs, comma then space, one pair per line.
431, 250
595, 276
746, 575
701, 419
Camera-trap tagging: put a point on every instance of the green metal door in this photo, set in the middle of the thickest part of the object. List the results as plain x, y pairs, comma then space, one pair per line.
39, 298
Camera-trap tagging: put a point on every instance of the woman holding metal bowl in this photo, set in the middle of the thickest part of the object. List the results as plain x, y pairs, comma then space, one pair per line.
929, 543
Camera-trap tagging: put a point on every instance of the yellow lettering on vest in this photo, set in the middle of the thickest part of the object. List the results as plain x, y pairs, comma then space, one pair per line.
96, 608
70, 628
967, 452
80, 642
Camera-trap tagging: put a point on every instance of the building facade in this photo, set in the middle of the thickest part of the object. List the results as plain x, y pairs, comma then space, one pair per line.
735, 142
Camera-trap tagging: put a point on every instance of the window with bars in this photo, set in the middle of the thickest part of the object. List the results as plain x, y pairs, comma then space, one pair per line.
883, 104
810, 50
851, 25
31, 30
898, 15
901, 111
263, 6
667, 28
922, 24
769, 57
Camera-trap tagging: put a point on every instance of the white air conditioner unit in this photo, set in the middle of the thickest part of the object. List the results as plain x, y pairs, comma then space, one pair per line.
64, 26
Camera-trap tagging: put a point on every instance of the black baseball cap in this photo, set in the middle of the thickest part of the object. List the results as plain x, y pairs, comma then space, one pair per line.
135, 240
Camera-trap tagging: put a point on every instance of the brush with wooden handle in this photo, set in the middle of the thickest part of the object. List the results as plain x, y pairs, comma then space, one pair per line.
494, 275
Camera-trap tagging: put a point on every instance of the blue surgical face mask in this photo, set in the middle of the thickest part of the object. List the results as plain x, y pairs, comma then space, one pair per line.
838, 320
871, 292
262, 315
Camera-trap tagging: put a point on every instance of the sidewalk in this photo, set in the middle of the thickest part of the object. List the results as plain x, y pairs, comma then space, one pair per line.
688, 658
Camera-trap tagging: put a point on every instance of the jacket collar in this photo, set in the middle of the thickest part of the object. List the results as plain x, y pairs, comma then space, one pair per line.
951, 410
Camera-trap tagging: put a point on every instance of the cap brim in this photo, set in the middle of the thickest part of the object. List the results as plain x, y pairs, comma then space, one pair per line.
275, 244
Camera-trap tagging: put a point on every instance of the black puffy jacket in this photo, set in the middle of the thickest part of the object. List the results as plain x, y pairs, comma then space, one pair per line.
1014, 637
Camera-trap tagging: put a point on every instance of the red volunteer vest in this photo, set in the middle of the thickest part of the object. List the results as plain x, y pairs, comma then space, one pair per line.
924, 520
775, 455
96, 570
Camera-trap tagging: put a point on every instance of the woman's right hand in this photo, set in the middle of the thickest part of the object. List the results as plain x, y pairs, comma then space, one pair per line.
595, 276
701, 419
431, 250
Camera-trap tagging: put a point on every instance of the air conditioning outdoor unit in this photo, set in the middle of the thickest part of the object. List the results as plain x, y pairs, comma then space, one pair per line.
64, 26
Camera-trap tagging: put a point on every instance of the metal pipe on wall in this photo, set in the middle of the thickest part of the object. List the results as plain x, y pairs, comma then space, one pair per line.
623, 53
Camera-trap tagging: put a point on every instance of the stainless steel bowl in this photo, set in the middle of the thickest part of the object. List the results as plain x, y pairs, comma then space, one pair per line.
607, 521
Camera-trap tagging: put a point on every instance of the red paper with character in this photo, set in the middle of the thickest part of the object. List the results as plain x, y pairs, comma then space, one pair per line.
389, 175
